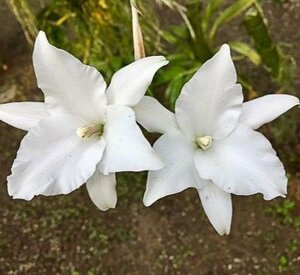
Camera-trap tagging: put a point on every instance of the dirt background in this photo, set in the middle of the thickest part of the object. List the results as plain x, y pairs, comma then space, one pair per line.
68, 235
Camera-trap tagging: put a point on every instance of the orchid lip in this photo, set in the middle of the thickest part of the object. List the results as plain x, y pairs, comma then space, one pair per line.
204, 142
90, 130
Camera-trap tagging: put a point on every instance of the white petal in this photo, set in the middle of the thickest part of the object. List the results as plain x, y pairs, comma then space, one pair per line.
264, 109
179, 172
23, 115
102, 190
154, 117
244, 163
53, 160
210, 102
217, 206
129, 84
127, 149
68, 85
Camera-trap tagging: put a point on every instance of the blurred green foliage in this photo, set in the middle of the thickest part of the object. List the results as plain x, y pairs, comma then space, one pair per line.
286, 212
198, 38
96, 31
99, 33
91, 30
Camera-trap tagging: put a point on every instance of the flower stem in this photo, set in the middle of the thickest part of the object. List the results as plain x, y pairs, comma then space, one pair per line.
138, 43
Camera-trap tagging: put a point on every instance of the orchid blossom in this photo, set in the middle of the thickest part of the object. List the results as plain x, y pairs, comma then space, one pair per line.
83, 132
210, 143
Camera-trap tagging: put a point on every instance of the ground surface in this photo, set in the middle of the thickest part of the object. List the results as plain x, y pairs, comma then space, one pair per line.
68, 235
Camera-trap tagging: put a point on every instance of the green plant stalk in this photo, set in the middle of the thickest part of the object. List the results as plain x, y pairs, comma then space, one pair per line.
246, 50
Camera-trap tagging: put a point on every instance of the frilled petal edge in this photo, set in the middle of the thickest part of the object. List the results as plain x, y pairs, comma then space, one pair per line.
244, 163
53, 160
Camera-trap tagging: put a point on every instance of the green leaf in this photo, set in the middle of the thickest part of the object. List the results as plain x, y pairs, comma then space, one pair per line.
251, 92
286, 70
172, 73
209, 11
182, 56
267, 49
246, 50
177, 78
64, 18
169, 37
230, 13
280, 65
199, 45
173, 90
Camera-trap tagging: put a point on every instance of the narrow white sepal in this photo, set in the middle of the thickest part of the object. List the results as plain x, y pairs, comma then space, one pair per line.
154, 117
102, 190
217, 206
259, 111
23, 115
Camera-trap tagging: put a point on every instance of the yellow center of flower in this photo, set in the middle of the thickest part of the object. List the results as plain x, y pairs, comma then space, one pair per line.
204, 142
90, 130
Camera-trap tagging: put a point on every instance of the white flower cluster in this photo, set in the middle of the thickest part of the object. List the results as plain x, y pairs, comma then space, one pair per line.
85, 132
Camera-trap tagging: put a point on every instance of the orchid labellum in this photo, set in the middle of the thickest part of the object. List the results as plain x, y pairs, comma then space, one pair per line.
211, 142
83, 132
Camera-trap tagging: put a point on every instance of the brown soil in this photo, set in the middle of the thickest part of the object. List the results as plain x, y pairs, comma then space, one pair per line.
68, 235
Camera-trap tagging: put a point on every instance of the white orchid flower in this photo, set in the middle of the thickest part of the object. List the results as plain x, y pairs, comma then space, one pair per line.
83, 132
210, 143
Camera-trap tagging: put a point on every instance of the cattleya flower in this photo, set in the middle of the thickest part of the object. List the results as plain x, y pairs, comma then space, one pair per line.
210, 143
83, 132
